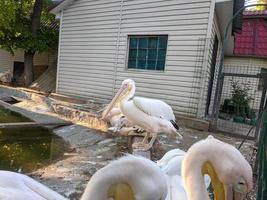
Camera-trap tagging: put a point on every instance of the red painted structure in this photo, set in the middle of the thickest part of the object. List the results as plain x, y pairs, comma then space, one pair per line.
252, 41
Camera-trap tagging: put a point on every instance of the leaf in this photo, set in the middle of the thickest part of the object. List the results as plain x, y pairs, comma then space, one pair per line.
15, 27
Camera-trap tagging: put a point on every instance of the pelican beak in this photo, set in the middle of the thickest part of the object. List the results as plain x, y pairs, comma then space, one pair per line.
179, 135
218, 187
115, 100
232, 194
237, 190
121, 192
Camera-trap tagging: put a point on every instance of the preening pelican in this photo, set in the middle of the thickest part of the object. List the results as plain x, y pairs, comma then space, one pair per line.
230, 173
171, 165
152, 115
129, 178
15, 186
120, 124
231, 176
171, 162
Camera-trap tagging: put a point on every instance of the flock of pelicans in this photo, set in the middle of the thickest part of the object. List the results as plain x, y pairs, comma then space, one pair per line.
178, 175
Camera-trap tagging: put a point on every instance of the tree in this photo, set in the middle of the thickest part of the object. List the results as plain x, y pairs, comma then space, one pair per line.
26, 25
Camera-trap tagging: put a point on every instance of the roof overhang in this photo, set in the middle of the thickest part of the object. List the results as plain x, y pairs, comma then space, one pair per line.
224, 11
64, 4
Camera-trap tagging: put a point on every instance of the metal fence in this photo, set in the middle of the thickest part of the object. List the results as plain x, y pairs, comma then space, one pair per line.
240, 103
262, 162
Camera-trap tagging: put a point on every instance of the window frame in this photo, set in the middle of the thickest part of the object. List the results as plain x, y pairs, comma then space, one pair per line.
129, 36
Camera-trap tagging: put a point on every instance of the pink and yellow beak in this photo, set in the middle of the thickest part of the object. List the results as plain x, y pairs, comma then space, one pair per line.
121, 92
222, 191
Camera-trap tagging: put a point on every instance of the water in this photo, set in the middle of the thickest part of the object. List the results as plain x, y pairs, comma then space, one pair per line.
27, 149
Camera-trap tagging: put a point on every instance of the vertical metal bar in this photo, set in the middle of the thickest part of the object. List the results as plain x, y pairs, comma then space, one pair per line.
261, 161
117, 50
219, 97
263, 96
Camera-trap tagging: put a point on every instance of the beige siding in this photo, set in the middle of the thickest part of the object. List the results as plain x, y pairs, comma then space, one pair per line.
88, 48
6, 61
39, 59
19, 56
52, 58
94, 42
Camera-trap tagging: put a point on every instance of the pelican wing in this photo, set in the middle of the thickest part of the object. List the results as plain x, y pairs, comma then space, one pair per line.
42, 190
15, 186
154, 107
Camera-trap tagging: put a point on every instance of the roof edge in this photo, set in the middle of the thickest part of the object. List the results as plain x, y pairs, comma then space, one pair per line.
64, 4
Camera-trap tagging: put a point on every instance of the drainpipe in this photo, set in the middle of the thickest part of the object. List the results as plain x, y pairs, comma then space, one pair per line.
117, 50
59, 46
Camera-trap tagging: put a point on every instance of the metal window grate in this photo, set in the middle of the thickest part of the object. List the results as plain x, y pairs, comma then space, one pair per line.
147, 52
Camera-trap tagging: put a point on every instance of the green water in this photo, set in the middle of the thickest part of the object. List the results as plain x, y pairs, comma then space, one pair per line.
27, 149
8, 116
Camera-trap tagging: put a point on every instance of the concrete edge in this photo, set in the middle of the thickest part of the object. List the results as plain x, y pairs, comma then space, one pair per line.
193, 123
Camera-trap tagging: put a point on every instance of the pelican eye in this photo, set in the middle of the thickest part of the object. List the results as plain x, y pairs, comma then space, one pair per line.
241, 186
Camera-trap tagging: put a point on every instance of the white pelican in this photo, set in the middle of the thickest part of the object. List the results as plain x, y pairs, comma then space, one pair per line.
171, 162
230, 173
152, 115
171, 165
141, 179
15, 186
129, 178
120, 124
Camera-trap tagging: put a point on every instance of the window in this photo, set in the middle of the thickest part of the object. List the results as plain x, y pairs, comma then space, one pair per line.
147, 52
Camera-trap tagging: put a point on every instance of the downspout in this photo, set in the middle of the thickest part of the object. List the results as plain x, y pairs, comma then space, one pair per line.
117, 50
205, 60
59, 46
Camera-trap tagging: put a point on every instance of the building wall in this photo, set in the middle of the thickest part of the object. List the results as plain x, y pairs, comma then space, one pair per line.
244, 65
88, 42
39, 59
94, 41
207, 73
7, 60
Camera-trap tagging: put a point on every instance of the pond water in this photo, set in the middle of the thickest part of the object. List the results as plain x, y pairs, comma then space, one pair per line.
27, 149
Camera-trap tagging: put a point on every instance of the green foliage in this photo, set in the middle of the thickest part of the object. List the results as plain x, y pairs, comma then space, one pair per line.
238, 105
15, 27
240, 95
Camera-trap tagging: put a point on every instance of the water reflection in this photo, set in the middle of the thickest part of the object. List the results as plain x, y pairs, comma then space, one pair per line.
8, 116
26, 149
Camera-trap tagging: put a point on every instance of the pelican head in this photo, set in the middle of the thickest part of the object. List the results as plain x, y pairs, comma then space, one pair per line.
231, 174
127, 89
